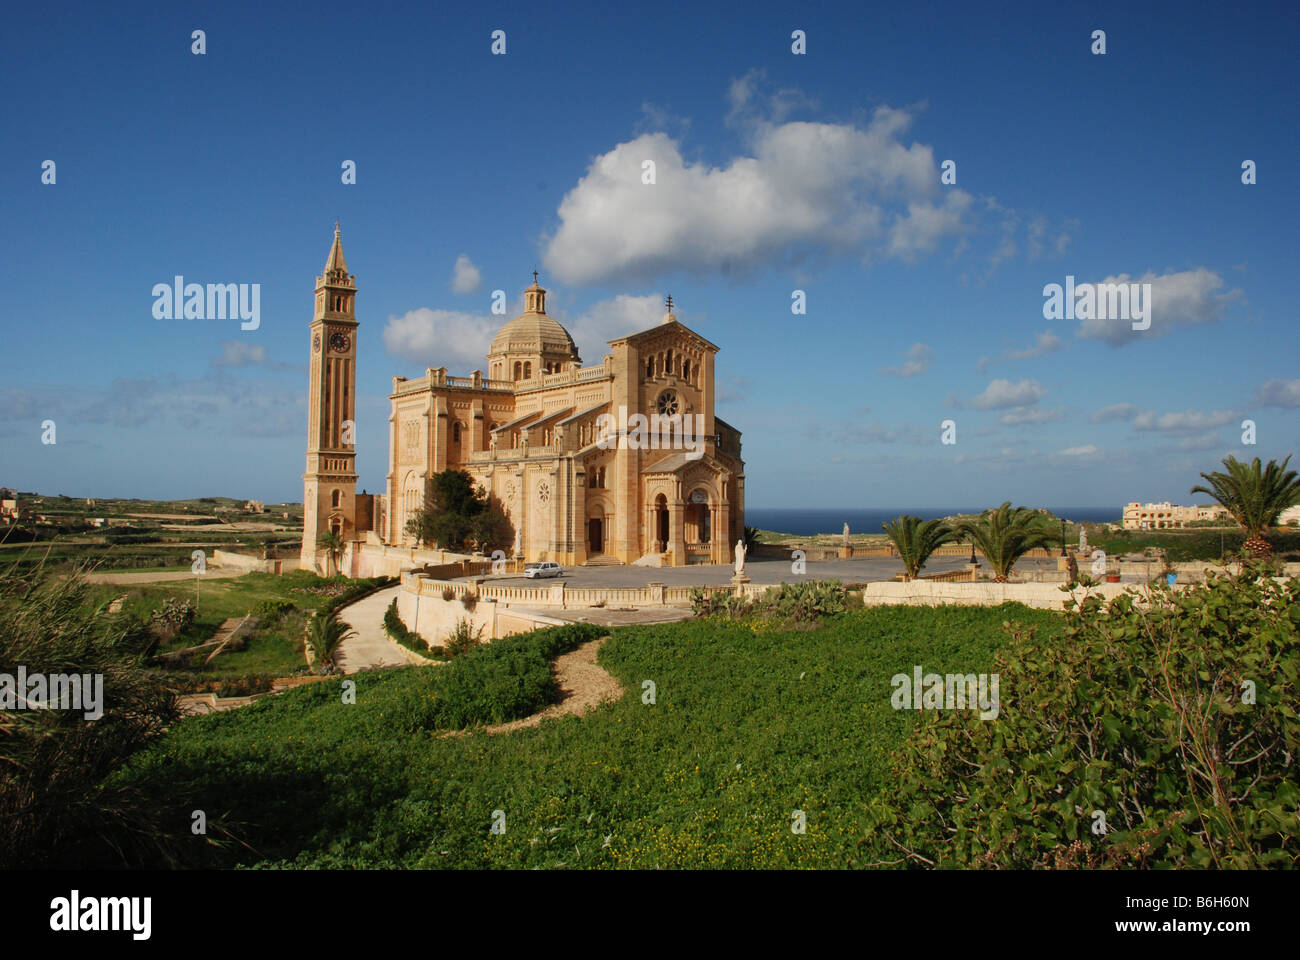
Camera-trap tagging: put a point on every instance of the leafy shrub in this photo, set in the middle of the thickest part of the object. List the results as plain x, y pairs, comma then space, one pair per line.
228, 685
55, 808
172, 618
469, 601
399, 632
273, 608
1142, 713
464, 637
355, 590
804, 602
448, 594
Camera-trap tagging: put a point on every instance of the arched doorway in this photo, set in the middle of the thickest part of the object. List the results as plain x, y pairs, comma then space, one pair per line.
661, 521
699, 527
596, 535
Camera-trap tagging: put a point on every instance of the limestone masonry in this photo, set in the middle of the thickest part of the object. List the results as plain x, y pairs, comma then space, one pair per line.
667, 485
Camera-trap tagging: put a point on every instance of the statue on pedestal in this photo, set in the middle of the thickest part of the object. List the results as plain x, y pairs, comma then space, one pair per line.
740, 559
846, 533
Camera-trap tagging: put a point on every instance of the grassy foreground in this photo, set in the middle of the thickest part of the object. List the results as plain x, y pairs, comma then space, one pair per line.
749, 725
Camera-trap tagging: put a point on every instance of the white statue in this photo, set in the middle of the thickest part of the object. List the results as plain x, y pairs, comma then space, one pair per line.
740, 557
1083, 539
519, 543
846, 533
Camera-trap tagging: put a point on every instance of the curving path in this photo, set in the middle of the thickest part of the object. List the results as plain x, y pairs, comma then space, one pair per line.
584, 685
370, 649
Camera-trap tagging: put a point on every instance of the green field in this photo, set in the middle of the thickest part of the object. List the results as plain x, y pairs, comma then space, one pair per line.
750, 725
275, 647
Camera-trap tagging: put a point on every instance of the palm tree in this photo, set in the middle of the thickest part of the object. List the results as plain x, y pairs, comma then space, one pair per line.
325, 632
333, 544
1006, 534
1254, 497
916, 539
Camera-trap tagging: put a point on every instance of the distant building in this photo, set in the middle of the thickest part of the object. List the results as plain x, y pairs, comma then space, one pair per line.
9, 510
1291, 515
254, 506
1167, 516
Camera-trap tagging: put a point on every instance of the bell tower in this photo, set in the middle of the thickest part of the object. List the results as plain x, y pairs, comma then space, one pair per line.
330, 483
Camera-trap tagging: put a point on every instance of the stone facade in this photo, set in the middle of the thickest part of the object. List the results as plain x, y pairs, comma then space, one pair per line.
330, 482
1167, 516
616, 462
559, 444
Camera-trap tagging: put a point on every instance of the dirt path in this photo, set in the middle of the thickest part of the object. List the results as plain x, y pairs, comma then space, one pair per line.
584, 685
162, 576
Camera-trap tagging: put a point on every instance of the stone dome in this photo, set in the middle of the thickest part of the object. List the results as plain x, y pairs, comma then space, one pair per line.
533, 332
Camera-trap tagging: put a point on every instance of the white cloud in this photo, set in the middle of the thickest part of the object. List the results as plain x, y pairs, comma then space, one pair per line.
1084, 451
1001, 394
1279, 393
460, 341
919, 358
1177, 300
801, 190
1181, 421
443, 338
1045, 342
1018, 415
1116, 411
609, 319
465, 277
240, 353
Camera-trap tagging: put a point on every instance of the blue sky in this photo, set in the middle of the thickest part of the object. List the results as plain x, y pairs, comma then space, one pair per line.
774, 172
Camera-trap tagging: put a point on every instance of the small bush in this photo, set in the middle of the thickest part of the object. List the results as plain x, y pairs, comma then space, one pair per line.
400, 634
790, 603
1175, 719
273, 609
463, 638
172, 618
448, 594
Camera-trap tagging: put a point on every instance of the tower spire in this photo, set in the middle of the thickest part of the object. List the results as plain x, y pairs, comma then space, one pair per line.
336, 263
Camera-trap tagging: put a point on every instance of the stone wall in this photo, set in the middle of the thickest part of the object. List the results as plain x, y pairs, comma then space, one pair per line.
250, 564
1042, 596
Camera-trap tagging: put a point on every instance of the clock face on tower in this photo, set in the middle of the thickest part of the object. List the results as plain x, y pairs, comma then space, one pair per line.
315, 343
339, 343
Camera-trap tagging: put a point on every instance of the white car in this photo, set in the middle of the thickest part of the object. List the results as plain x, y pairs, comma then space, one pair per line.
543, 569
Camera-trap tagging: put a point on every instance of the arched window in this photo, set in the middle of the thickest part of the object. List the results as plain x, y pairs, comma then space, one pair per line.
518, 369
455, 432
528, 370
650, 366
686, 370
336, 498
670, 361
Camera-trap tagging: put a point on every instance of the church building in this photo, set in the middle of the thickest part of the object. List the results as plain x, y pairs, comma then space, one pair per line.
615, 462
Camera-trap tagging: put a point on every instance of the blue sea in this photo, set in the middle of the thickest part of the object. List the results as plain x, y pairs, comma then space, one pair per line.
805, 523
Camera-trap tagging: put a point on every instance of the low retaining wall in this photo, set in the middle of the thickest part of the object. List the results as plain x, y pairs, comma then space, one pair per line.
250, 564
1042, 596
422, 608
